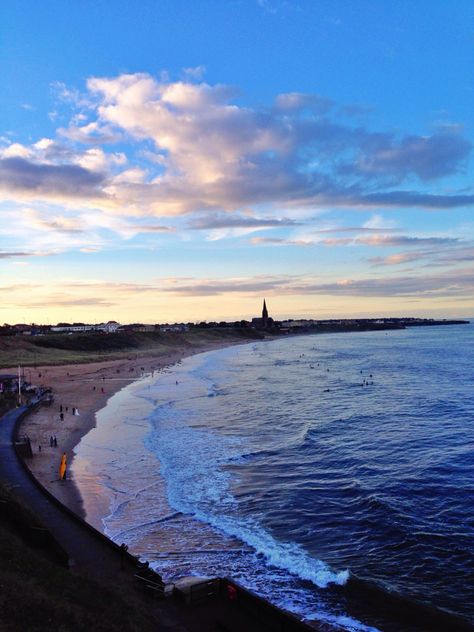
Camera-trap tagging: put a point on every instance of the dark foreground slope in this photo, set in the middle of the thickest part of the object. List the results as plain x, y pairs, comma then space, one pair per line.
38, 593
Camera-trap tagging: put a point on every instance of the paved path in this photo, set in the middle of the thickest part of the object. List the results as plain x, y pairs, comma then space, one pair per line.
85, 551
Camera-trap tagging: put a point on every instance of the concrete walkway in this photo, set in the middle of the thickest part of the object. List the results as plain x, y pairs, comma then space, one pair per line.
86, 552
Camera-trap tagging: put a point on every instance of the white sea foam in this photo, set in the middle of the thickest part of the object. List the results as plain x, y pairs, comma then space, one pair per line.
288, 556
193, 463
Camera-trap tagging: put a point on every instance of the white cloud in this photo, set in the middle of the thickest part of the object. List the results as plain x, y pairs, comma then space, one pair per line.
379, 222
16, 150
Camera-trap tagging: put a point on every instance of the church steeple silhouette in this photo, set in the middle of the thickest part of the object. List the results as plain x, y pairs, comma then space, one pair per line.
266, 321
264, 314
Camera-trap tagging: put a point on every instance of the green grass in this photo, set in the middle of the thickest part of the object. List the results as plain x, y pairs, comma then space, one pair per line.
95, 347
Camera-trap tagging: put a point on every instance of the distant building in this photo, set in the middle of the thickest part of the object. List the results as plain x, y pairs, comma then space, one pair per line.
265, 322
73, 329
109, 328
175, 328
22, 330
295, 324
65, 328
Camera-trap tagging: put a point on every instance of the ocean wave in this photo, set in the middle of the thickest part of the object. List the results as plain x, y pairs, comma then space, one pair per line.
198, 486
283, 555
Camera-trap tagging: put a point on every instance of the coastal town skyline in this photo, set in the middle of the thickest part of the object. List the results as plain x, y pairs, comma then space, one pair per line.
178, 162
263, 321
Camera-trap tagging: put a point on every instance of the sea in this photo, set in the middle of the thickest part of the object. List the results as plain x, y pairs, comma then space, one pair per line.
332, 474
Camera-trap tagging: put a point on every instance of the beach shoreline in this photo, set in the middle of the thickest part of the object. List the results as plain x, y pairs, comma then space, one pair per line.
86, 389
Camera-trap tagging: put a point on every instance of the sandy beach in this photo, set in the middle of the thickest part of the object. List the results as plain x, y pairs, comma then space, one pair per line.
85, 388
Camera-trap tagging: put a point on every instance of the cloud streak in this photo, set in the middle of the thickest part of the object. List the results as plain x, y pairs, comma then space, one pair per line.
210, 222
371, 240
459, 282
392, 241
19, 175
439, 257
13, 255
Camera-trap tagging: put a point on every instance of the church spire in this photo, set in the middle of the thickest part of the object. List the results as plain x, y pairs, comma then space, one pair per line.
264, 314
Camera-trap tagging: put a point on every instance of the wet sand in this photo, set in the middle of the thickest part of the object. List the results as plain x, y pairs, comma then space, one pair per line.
87, 388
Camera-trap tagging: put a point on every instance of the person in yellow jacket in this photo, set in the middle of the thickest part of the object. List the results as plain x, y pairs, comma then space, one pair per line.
62, 467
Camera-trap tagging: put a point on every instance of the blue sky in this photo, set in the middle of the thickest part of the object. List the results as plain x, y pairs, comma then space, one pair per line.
179, 160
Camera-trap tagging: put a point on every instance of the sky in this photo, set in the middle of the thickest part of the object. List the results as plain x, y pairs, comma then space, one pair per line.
170, 160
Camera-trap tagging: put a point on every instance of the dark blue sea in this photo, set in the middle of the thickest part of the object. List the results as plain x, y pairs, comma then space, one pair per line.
332, 474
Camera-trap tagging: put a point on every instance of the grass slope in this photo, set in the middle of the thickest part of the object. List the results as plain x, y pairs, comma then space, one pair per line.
91, 347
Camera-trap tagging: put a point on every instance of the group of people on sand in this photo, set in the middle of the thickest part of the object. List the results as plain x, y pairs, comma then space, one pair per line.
53, 442
63, 410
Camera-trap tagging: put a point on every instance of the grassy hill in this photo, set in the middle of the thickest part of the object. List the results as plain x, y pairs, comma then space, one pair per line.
94, 346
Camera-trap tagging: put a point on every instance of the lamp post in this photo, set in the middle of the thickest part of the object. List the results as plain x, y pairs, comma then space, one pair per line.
19, 386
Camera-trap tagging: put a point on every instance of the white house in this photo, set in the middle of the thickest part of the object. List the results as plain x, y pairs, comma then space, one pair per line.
72, 328
109, 328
